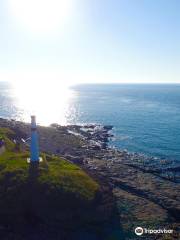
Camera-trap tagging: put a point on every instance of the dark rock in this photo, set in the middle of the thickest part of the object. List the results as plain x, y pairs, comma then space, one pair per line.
108, 127
74, 159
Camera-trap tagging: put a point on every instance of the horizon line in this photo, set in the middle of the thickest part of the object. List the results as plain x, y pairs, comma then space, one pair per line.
115, 83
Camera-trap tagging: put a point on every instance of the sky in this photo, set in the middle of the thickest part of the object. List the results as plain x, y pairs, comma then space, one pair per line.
90, 41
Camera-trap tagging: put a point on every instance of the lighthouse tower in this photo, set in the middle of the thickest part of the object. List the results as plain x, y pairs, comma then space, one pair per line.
34, 149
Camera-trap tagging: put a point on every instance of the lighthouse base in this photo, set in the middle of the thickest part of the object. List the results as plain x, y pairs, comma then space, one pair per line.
40, 160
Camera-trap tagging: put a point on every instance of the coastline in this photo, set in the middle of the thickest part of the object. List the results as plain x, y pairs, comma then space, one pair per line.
144, 194
95, 138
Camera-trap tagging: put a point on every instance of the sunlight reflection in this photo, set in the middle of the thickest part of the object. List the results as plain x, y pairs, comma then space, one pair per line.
49, 102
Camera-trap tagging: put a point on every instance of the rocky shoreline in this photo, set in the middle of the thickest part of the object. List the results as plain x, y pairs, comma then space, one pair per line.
146, 193
97, 138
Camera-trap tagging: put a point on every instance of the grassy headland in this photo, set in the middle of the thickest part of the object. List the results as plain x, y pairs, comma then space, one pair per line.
54, 196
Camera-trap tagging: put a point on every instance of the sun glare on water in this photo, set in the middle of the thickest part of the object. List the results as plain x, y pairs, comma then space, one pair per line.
40, 16
49, 102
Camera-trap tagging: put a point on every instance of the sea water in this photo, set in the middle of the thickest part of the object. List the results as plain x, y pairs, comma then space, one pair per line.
146, 117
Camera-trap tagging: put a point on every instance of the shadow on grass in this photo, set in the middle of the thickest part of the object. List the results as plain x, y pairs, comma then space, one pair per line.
30, 215
33, 172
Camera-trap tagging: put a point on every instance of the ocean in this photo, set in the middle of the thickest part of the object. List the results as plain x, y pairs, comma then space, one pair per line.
146, 117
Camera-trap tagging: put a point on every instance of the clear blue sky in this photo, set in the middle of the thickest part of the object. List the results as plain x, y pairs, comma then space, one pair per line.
90, 40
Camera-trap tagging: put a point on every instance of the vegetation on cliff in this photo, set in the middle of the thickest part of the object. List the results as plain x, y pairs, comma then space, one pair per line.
53, 195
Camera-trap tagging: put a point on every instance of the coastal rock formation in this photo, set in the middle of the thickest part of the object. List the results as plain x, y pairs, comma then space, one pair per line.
146, 189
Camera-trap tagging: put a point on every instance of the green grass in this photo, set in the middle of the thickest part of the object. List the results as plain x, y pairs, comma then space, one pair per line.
67, 176
52, 196
53, 192
56, 172
53, 172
